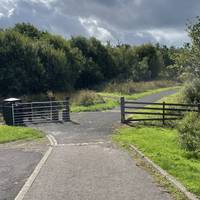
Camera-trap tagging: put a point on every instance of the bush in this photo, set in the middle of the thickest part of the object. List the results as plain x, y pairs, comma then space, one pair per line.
87, 98
189, 132
191, 92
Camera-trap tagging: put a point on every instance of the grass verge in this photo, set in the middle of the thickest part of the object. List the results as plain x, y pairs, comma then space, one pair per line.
10, 134
162, 146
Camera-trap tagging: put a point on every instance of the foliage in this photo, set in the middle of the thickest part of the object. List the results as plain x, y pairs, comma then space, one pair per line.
189, 132
175, 62
153, 59
190, 60
163, 147
35, 61
191, 91
87, 98
28, 30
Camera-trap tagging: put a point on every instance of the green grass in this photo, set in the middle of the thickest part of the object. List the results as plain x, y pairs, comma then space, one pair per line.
112, 100
162, 146
109, 104
10, 134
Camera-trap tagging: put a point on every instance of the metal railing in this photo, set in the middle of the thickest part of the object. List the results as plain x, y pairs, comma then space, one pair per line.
39, 112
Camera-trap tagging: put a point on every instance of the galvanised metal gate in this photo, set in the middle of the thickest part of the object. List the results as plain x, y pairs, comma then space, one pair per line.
39, 112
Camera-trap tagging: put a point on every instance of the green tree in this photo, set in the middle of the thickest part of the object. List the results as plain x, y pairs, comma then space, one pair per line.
20, 69
154, 58
28, 30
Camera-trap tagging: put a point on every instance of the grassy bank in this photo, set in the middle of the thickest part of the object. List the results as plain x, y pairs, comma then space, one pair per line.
9, 134
111, 100
162, 146
137, 95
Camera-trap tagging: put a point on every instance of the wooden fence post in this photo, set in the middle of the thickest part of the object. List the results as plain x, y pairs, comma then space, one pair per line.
198, 107
122, 103
163, 113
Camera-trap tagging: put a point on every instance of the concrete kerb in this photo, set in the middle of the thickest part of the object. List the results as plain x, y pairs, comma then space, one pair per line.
37, 169
163, 173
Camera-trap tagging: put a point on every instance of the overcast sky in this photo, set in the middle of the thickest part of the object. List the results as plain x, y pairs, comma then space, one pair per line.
127, 21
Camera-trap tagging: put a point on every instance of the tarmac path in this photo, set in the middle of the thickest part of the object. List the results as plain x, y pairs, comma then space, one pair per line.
85, 165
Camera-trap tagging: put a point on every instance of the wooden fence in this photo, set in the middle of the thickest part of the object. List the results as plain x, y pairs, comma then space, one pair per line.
148, 111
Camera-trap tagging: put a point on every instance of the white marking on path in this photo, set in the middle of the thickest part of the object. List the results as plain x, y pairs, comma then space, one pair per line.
53, 140
33, 176
83, 144
31, 179
54, 143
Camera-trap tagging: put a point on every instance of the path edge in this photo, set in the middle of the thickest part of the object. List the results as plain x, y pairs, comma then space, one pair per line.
163, 173
21, 194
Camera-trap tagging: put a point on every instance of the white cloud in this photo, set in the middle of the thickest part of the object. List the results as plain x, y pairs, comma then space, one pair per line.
94, 29
171, 36
11, 12
7, 7
47, 3
1, 15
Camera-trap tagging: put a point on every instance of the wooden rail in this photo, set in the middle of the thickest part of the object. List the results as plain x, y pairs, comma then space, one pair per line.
164, 111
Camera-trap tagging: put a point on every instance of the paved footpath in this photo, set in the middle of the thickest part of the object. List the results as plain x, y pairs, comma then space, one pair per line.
17, 161
85, 165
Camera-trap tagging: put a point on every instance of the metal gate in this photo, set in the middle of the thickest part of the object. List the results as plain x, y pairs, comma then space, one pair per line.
39, 112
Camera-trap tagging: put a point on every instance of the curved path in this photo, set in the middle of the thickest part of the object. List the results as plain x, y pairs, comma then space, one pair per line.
85, 165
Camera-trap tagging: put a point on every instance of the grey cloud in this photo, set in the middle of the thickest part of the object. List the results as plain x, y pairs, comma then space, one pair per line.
130, 21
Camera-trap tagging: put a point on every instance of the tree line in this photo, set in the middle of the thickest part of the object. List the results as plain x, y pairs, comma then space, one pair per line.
34, 61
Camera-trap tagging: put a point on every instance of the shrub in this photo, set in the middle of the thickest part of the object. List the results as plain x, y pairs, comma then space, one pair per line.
87, 98
189, 132
191, 92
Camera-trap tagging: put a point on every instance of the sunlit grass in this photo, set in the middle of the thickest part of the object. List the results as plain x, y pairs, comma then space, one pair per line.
9, 134
162, 146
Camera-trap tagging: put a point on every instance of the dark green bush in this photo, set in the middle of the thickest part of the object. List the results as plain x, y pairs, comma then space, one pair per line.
189, 132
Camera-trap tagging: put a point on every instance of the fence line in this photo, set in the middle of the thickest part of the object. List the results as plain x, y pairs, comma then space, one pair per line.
168, 111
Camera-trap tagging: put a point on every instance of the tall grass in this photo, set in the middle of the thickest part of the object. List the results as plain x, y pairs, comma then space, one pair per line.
86, 98
131, 87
